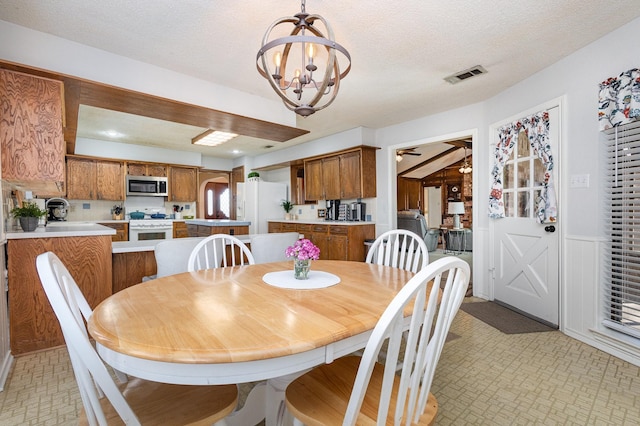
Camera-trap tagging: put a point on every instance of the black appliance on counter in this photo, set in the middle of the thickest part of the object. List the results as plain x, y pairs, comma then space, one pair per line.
333, 210
57, 209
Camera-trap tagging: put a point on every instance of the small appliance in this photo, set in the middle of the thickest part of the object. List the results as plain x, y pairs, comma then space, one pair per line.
358, 211
150, 186
333, 210
57, 209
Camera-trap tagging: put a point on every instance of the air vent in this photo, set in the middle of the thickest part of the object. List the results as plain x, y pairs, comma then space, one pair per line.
466, 74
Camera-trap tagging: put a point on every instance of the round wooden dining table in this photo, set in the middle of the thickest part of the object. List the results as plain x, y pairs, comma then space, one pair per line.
228, 325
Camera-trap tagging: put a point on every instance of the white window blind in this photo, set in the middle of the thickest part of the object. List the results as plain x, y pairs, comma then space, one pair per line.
622, 215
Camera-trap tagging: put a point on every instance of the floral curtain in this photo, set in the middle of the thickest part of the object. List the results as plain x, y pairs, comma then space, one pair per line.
536, 129
619, 99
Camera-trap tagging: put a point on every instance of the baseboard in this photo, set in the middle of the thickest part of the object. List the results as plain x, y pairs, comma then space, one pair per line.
5, 368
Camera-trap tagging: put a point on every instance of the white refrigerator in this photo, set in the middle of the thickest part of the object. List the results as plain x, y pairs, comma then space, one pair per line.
259, 202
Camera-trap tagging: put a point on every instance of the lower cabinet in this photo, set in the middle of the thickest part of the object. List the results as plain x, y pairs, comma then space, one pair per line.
129, 268
122, 230
33, 324
336, 242
180, 230
204, 230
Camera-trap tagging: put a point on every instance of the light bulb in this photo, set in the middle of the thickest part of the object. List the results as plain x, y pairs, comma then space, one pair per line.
311, 51
277, 59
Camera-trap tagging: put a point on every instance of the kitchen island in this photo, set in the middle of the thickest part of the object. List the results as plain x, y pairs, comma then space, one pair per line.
85, 249
206, 227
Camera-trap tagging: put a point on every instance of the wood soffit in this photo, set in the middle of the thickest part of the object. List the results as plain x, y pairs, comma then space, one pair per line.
79, 91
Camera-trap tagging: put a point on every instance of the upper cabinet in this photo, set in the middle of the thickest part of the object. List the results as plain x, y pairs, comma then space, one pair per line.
346, 175
147, 169
31, 132
184, 184
94, 179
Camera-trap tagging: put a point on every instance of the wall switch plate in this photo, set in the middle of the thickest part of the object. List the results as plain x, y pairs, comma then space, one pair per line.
579, 181
86, 206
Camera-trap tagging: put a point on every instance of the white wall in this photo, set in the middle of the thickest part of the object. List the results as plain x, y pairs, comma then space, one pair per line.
45, 51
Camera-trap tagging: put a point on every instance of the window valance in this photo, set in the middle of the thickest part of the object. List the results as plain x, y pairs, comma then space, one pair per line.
536, 130
619, 99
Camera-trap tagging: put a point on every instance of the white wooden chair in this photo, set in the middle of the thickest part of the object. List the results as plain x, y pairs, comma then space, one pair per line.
271, 247
219, 250
172, 256
137, 401
399, 248
354, 390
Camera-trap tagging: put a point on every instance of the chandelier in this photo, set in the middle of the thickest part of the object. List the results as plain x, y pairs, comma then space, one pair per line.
466, 167
299, 59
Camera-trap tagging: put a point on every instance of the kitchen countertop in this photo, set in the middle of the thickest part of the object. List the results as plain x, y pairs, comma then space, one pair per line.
324, 222
217, 222
63, 229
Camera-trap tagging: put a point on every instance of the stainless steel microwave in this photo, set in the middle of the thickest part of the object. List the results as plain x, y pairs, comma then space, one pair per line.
150, 186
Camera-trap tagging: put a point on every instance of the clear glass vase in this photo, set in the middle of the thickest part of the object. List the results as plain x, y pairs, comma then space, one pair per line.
301, 268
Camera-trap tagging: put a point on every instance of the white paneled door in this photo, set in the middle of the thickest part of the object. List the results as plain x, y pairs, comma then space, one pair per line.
525, 252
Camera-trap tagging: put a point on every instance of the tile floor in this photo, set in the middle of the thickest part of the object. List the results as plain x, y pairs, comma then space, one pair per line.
484, 378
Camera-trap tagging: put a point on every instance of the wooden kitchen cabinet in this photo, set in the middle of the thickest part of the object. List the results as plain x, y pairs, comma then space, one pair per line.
335, 241
130, 267
195, 230
313, 184
180, 230
347, 175
93, 179
31, 130
81, 179
122, 230
147, 169
410, 194
183, 183
33, 324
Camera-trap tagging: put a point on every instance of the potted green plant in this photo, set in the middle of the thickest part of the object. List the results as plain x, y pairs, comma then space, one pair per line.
287, 206
253, 176
28, 215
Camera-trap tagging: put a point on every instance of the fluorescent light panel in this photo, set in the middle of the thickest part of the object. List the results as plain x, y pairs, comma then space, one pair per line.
213, 138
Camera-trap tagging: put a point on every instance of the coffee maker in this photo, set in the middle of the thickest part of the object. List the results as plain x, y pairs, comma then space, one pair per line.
358, 211
333, 210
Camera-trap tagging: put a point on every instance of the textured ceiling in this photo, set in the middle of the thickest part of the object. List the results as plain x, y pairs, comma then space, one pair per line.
401, 51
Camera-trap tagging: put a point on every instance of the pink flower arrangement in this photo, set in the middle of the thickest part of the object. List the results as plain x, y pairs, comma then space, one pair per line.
303, 249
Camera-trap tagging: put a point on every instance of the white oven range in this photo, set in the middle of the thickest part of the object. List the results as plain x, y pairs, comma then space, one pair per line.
150, 229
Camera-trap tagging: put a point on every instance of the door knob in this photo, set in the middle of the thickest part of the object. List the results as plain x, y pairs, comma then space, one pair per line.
550, 228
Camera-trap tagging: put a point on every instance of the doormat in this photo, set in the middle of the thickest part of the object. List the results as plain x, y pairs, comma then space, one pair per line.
504, 319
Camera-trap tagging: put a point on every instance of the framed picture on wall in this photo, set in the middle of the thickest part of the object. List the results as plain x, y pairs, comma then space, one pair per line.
454, 192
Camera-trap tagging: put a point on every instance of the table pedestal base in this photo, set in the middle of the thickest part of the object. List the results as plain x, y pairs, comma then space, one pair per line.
265, 401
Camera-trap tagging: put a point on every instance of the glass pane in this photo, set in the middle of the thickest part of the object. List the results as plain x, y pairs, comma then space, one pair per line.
508, 203
538, 172
536, 199
508, 176
523, 204
524, 148
209, 202
523, 174
224, 202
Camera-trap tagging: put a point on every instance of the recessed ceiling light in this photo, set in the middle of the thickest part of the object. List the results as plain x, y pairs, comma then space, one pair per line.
113, 133
213, 138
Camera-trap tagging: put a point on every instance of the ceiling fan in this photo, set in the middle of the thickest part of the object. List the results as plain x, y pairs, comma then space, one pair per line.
408, 151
